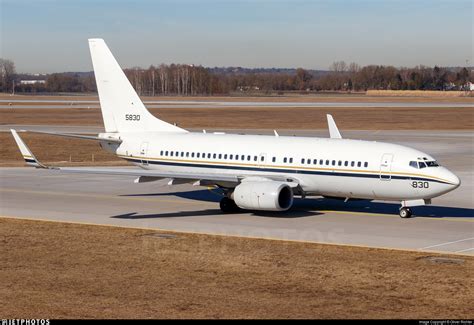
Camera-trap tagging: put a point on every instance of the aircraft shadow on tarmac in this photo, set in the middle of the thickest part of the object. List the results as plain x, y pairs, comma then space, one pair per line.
303, 208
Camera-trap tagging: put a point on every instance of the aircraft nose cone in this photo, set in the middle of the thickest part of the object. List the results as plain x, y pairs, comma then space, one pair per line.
454, 180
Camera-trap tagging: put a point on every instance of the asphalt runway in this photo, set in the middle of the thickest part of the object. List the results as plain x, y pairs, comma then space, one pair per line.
64, 104
446, 226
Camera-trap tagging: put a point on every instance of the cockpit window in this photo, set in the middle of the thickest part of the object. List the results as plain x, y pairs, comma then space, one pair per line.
423, 164
432, 163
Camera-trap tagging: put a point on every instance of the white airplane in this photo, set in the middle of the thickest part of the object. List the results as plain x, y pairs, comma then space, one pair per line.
255, 172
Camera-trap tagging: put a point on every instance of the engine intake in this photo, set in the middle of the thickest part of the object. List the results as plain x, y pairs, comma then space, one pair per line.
263, 195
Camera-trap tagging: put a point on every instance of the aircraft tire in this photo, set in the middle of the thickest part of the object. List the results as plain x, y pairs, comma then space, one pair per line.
228, 206
405, 213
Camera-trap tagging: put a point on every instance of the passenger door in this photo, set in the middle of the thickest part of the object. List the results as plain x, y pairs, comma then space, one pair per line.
143, 152
386, 167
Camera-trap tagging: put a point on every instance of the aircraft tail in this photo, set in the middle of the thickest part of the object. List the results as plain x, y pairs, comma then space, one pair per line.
122, 109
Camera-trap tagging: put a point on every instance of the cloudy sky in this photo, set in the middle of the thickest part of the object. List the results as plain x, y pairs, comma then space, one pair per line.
51, 35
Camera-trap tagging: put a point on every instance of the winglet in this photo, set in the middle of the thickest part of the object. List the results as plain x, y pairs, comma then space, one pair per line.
333, 130
30, 159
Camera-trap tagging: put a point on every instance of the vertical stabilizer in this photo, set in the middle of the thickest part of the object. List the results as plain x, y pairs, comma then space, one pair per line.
122, 109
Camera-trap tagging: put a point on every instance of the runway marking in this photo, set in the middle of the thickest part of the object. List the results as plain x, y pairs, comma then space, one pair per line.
448, 243
370, 214
465, 250
236, 236
102, 196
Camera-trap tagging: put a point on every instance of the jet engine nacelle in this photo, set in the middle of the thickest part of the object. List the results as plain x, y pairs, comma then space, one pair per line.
263, 195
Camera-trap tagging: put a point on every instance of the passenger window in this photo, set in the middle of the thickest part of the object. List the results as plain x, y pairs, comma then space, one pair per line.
346, 163
334, 163
359, 164
302, 161
284, 160
366, 164
214, 156
254, 158
308, 161
327, 162
352, 163
291, 160
192, 154
262, 158
220, 156
274, 159
315, 161
182, 153
321, 162
198, 155
242, 157
161, 153
231, 157
339, 163
225, 156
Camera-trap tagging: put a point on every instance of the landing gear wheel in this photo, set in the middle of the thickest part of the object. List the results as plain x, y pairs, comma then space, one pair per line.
405, 213
228, 206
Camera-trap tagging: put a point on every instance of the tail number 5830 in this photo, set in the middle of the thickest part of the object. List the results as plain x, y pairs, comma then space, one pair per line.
132, 117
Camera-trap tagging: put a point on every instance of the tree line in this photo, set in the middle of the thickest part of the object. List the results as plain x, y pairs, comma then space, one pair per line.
191, 80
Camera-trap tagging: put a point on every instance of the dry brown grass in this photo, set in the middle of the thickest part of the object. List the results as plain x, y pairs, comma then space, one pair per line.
391, 118
57, 270
419, 93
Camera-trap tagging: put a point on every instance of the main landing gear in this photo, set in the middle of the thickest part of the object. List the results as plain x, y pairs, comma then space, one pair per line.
405, 212
228, 206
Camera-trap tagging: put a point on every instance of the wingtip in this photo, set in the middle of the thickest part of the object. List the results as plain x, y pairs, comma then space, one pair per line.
95, 40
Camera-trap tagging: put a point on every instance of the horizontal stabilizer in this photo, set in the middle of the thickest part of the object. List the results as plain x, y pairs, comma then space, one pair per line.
78, 136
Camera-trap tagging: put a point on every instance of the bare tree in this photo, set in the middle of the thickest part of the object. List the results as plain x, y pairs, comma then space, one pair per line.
7, 73
338, 66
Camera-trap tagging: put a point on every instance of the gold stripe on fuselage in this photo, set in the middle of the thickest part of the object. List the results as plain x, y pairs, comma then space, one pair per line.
279, 166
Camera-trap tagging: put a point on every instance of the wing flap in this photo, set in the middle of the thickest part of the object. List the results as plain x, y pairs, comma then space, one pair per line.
189, 177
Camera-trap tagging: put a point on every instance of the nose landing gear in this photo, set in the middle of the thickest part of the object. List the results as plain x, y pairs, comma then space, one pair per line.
405, 212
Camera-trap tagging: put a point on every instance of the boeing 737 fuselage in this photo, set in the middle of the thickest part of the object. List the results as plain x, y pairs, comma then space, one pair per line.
256, 172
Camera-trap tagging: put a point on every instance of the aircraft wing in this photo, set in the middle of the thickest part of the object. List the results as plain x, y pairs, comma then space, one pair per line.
145, 175
78, 136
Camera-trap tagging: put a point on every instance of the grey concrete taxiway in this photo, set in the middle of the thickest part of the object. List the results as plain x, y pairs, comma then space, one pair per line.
65, 104
446, 226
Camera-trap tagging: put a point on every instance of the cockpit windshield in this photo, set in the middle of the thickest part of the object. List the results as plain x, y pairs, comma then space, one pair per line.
432, 163
423, 164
